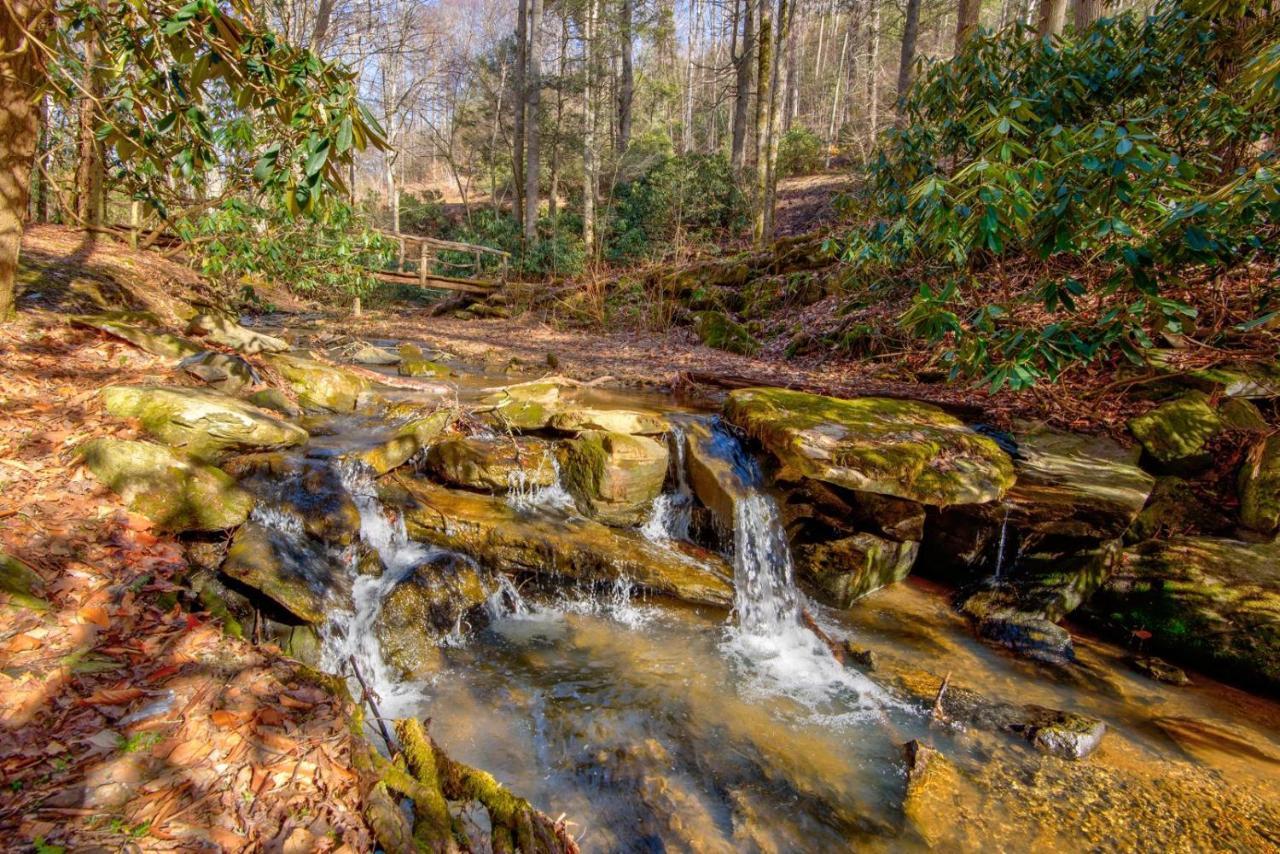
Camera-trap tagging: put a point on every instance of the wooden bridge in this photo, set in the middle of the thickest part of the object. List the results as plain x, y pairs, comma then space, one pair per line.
421, 252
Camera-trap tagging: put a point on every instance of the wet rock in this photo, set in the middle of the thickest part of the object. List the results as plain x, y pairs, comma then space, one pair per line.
864, 659
309, 490
510, 541
717, 478
1178, 507
630, 421
436, 598
1065, 735
813, 510
493, 464
289, 569
998, 618
171, 488
929, 803
21, 584
276, 401
225, 331
204, 423
1260, 487
406, 440
143, 330
1207, 602
321, 386
849, 568
892, 447
1176, 433
716, 329
523, 406
1052, 584
614, 477
225, 373
1160, 670
423, 368
369, 354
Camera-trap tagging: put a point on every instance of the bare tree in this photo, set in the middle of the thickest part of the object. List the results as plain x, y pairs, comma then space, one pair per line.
910, 32
1053, 16
626, 81
533, 98
589, 178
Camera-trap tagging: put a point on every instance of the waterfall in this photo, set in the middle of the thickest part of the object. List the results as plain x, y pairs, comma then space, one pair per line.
763, 578
1004, 535
524, 496
672, 511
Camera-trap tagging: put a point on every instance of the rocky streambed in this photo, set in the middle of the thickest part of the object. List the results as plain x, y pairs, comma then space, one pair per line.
779, 621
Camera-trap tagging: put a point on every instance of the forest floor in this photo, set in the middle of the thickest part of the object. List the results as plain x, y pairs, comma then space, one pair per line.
805, 201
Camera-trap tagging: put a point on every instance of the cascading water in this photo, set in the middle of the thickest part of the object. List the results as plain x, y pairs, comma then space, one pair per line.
523, 495
672, 511
1004, 537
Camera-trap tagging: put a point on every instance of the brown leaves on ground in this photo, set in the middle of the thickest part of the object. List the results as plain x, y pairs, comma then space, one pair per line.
126, 723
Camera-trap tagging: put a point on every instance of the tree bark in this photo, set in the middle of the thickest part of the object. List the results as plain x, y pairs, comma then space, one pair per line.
21, 76
517, 151
626, 83
589, 179
764, 75
321, 30
532, 131
742, 92
966, 21
1085, 12
89, 151
1053, 16
783, 26
835, 98
910, 32
873, 72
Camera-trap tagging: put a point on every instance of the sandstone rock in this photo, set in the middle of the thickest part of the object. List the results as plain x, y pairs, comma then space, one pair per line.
143, 330
849, 568
369, 354
275, 400
1260, 487
630, 421
21, 584
1175, 433
228, 333
288, 568
998, 618
427, 605
614, 477
310, 490
423, 368
225, 373
405, 440
321, 386
495, 464
524, 406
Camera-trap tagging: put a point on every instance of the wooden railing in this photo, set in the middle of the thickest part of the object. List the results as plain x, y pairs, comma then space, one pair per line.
423, 251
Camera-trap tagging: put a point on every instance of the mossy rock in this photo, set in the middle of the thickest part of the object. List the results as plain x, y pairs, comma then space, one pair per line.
614, 477
225, 331
21, 584
204, 423
423, 368
495, 464
321, 386
406, 440
523, 406
1260, 487
289, 569
901, 448
1052, 584
1178, 507
276, 401
717, 330
1177, 433
630, 421
514, 542
370, 354
436, 597
1207, 602
141, 329
998, 617
224, 372
174, 490
849, 568
1241, 380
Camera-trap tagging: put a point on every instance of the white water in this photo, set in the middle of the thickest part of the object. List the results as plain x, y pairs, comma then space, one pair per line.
672, 511
522, 495
1004, 536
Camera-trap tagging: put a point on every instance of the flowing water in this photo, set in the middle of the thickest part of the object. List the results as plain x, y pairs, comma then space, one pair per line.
654, 725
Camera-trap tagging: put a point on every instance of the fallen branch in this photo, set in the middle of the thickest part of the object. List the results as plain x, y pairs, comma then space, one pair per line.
938, 714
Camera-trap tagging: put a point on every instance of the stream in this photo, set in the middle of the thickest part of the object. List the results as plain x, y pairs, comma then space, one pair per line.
657, 725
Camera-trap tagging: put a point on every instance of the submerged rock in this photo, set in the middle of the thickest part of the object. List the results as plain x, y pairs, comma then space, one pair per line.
408, 439
1176, 433
929, 804
493, 464
1159, 670
321, 386
143, 330
851, 567
431, 602
204, 423
893, 447
1211, 603
423, 368
228, 333
630, 421
1260, 487
614, 477
290, 569
998, 617
511, 541
174, 490
225, 373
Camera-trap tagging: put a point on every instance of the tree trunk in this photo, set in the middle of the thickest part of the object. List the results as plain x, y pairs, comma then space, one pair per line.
1053, 16
966, 21
873, 72
41, 212
89, 150
910, 32
835, 99
321, 31
517, 149
554, 189
785, 12
627, 83
742, 93
20, 78
1085, 12
532, 131
589, 179
764, 77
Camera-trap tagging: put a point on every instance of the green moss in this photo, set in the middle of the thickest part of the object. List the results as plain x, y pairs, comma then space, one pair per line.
715, 329
423, 368
22, 584
1177, 431
321, 386
1260, 487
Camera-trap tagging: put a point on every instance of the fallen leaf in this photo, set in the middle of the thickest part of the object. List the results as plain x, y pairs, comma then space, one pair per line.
226, 718
22, 643
95, 614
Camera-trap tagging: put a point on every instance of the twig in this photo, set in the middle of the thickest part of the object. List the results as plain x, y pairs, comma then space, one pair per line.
367, 696
938, 715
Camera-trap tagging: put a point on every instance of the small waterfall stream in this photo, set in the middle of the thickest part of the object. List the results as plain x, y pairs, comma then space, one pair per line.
672, 511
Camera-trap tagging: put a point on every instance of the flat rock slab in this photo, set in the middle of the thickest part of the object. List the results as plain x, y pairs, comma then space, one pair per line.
318, 385
141, 329
892, 447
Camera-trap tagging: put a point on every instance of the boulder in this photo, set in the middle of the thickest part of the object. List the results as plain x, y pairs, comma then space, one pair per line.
288, 568
1209, 603
1178, 507
405, 440
891, 447
225, 331
523, 406
1159, 670
321, 386
614, 477
276, 401
169, 487
369, 354
142, 329
21, 584
1260, 487
435, 598
717, 474
1175, 434
509, 540
849, 568
814, 510
225, 373
309, 490
204, 423
493, 464
423, 368
630, 421
998, 617
716, 329
1051, 584
1241, 380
